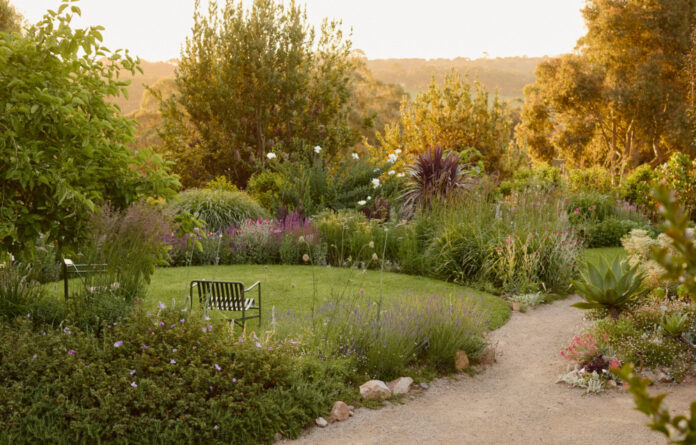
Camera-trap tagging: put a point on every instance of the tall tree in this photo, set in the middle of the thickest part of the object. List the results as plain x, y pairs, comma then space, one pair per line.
457, 116
63, 146
252, 81
622, 99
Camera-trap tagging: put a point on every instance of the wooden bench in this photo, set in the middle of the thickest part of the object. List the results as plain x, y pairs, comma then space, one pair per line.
227, 296
82, 271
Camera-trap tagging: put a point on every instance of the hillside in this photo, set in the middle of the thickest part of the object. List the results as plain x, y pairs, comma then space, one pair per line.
509, 75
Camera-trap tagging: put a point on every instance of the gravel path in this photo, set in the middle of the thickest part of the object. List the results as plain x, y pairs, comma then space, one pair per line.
514, 402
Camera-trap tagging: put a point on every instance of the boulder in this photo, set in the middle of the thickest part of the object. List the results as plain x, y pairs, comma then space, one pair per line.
516, 306
320, 421
424, 385
400, 386
461, 361
339, 412
374, 390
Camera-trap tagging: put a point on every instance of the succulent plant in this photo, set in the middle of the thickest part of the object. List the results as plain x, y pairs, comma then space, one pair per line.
614, 287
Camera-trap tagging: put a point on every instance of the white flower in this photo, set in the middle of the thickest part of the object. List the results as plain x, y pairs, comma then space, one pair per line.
362, 202
397, 151
317, 149
355, 156
369, 198
375, 183
401, 175
391, 172
271, 155
392, 158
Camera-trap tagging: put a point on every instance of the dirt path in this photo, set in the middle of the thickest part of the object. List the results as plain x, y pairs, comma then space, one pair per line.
514, 402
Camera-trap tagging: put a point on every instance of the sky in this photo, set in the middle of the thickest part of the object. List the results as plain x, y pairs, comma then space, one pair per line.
155, 29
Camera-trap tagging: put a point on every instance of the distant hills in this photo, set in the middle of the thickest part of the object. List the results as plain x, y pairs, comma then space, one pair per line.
508, 75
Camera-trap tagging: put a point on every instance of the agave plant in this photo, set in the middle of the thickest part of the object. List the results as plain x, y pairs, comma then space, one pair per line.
434, 176
614, 287
675, 324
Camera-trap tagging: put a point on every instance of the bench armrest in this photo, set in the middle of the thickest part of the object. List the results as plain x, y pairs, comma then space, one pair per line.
258, 283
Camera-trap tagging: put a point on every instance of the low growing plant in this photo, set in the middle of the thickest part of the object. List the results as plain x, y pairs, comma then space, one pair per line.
614, 287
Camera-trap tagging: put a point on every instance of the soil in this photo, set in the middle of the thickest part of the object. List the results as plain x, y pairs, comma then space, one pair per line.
516, 401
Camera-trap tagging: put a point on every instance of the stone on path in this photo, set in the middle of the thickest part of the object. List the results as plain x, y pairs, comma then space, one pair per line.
461, 361
487, 357
374, 390
320, 421
424, 385
339, 412
400, 386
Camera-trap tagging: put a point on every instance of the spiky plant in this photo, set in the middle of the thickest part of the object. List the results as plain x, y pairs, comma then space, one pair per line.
614, 287
433, 177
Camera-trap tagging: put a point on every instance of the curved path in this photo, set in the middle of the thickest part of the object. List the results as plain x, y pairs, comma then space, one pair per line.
514, 402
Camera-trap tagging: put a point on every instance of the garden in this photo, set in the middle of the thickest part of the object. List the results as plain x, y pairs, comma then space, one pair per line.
379, 258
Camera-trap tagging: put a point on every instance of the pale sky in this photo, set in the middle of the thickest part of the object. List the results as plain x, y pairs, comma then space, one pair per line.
155, 29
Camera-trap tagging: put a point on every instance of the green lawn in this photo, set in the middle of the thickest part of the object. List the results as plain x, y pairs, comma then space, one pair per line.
608, 253
290, 288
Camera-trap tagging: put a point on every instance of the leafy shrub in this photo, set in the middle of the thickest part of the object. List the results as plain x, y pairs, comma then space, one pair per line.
592, 179
639, 245
637, 185
170, 377
610, 232
613, 287
540, 176
679, 173
588, 206
219, 208
221, 183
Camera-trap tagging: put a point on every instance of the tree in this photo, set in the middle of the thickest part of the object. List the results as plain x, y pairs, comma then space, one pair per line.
10, 19
458, 117
62, 144
622, 99
254, 81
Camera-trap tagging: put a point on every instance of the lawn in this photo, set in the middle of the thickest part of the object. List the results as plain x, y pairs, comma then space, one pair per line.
291, 288
608, 253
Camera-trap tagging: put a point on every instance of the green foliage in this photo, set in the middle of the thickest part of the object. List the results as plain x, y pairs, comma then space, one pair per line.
637, 187
675, 324
589, 206
679, 174
610, 232
613, 287
252, 81
540, 176
62, 143
455, 115
592, 179
170, 377
219, 208
677, 429
221, 183
20, 296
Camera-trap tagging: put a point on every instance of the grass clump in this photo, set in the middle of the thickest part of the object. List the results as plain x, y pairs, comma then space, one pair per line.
219, 208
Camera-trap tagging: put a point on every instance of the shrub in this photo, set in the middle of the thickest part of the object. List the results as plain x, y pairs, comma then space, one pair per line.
679, 173
592, 179
170, 377
610, 232
588, 206
540, 176
22, 296
636, 187
639, 244
219, 208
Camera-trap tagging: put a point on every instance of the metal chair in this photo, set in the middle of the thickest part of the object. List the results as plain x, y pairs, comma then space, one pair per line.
227, 296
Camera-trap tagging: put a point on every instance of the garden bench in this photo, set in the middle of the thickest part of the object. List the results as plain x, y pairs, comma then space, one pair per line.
81, 271
227, 296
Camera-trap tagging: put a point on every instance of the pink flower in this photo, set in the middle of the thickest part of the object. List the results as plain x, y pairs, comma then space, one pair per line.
118, 344
71, 352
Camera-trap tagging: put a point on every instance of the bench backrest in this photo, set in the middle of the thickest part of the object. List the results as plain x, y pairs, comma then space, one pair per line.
220, 295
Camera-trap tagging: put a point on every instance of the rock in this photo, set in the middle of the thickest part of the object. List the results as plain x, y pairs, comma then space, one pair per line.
516, 306
487, 357
320, 421
374, 390
461, 361
663, 377
339, 412
400, 386
277, 437
351, 407
424, 385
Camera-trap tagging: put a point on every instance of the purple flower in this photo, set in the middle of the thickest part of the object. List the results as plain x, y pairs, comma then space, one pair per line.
203, 329
149, 314
161, 323
132, 372
173, 325
118, 344
255, 337
71, 352
172, 361
210, 327
134, 385
181, 321
218, 367
270, 348
184, 309
210, 388
144, 347
174, 350
234, 380
29, 315
241, 339
162, 305
206, 318
258, 345
33, 357
149, 330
